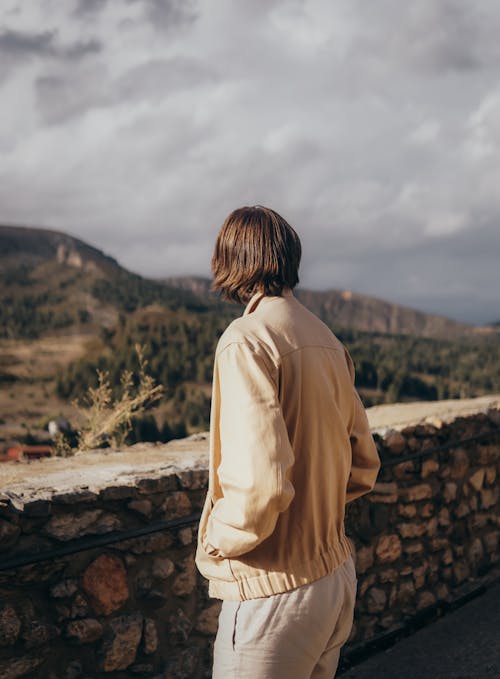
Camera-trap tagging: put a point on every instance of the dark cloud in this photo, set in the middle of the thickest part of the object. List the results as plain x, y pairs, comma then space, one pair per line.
165, 15
17, 44
19, 47
89, 7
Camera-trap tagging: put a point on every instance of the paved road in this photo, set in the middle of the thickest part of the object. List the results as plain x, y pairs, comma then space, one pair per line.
464, 644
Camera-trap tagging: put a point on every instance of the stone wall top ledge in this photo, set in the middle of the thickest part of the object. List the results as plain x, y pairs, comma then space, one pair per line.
143, 468
392, 417
105, 472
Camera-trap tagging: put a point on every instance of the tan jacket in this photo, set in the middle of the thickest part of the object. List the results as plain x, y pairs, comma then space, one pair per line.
290, 445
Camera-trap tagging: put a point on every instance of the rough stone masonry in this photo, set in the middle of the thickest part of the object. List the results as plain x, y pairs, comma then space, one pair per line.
137, 607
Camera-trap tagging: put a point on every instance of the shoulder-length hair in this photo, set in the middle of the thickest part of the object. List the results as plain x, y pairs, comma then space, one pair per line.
256, 249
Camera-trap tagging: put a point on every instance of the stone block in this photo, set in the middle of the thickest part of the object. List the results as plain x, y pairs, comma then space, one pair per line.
450, 492
425, 599
419, 573
150, 636
79, 607
460, 571
84, 631
422, 491
183, 664
375, 600
70, 526
388, 575
395, 442
427, 510
476, 479
176, 505
411, 530
120, 646
193, 479
10, 625
404, 470
490, 540
185, 535
489, 497
429, 466
208, 620
442, 591
386, 493
413, 548
408, 511
179, 627
64, 588
185, 582
447, 557
444, 517
490, 475
364, 559
461, 510
475, 552
388, 548
406, 592
459, 464
162, 568
366, 583
143, 507
105, 581
19, 667
38, 633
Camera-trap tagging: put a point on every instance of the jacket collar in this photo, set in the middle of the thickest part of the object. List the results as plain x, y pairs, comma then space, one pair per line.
261, 298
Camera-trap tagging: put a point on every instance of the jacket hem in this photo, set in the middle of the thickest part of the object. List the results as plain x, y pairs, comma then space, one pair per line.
276, 582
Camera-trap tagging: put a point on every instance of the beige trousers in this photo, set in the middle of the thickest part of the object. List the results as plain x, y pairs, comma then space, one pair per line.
292, 635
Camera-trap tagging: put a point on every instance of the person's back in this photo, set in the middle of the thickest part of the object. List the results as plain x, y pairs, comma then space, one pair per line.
289, 447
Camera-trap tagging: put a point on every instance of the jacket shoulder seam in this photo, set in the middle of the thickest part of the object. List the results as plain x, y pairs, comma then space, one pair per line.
250, 347
305, 346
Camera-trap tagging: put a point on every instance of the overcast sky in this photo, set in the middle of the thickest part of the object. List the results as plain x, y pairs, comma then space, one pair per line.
373, 126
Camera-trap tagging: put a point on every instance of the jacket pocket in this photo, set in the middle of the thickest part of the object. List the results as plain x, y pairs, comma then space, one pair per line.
210, 566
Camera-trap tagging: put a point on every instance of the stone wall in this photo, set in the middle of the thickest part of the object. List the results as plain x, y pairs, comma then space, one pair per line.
137, 607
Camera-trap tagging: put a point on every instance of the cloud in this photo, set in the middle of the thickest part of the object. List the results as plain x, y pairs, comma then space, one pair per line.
45, 44
373, 127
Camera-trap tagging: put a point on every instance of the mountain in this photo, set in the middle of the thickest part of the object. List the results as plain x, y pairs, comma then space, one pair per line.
54, 282
51, 282
348, 309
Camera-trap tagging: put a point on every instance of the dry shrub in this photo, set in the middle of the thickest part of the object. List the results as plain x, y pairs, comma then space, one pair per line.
106, 421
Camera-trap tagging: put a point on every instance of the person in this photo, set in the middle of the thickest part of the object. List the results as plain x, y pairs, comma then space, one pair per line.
289, 447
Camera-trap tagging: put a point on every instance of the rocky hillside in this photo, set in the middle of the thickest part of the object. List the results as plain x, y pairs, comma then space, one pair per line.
53, 282
347, 309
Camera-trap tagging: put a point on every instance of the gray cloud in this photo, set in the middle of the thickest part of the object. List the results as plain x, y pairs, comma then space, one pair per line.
373, 127
168, 14
19, 45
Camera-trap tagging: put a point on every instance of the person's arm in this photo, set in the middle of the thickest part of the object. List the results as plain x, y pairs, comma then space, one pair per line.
255, 454
365, 458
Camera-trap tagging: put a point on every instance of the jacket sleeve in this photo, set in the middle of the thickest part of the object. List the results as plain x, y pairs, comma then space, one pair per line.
255, 454
365, 459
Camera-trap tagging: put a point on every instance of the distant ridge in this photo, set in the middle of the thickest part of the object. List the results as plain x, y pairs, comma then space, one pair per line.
348, 309
63, 278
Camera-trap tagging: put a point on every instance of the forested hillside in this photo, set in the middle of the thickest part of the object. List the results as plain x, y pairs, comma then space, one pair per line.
56, 286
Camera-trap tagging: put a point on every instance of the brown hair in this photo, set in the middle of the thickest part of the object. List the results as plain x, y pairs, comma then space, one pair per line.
256, 249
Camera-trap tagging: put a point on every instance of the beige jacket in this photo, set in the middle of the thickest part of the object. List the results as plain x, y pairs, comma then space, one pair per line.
290, 445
